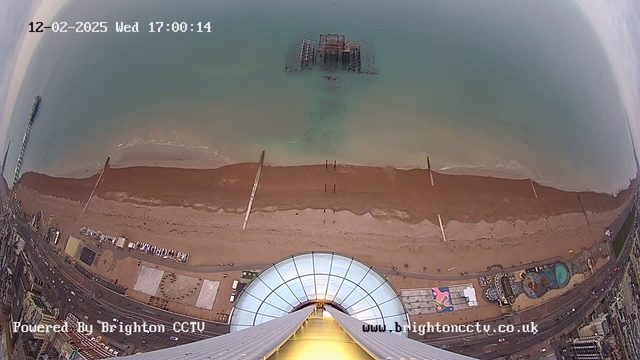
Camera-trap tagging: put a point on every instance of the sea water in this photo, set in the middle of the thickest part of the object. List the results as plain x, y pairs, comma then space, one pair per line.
517, 87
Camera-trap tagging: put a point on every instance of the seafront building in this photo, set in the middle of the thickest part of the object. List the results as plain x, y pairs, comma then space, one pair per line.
77, 345
319, 305
588, 348
36, 311
313, 305
599, 326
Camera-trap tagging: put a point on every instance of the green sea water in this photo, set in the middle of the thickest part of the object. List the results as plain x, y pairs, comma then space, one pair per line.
524, 88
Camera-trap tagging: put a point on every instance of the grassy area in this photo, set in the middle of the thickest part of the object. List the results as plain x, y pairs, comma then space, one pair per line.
621, 237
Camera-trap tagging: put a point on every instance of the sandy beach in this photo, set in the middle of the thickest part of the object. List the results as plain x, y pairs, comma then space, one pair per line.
384, 216
384, 192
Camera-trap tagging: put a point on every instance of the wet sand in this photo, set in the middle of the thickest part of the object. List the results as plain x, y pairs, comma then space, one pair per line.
384, 192
384, 216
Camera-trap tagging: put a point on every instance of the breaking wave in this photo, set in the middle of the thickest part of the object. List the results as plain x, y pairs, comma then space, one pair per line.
160, 142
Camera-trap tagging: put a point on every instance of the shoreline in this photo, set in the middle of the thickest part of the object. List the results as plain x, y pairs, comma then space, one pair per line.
385, 238
385, 217
149, 160
383, 192
153, 153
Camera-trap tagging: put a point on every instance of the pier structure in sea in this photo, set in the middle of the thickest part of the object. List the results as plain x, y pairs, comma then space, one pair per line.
332, 52
25, 140
307, 54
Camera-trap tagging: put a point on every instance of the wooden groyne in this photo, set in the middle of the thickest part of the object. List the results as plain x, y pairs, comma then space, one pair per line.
106, 166
253, 191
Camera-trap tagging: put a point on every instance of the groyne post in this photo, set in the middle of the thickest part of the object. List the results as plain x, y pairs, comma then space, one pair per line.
533, 188
429, 169
253, 191
442, 228
584, 211
106, 165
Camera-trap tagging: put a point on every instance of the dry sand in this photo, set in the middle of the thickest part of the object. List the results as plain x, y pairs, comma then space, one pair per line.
384, 216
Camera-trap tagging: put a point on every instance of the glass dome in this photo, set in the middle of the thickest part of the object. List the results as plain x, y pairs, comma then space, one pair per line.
344, 282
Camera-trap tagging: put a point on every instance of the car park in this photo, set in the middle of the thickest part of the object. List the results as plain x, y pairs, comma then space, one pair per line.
164, 253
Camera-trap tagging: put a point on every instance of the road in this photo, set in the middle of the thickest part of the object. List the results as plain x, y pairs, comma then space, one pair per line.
99, 303
561, 313
551, 318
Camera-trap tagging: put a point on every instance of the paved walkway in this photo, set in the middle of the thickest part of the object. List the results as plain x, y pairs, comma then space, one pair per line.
494, 269
123, 254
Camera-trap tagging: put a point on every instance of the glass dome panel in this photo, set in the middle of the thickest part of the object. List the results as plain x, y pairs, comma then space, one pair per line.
304, 264
278, 290
287, 269
322, 263
340, 265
